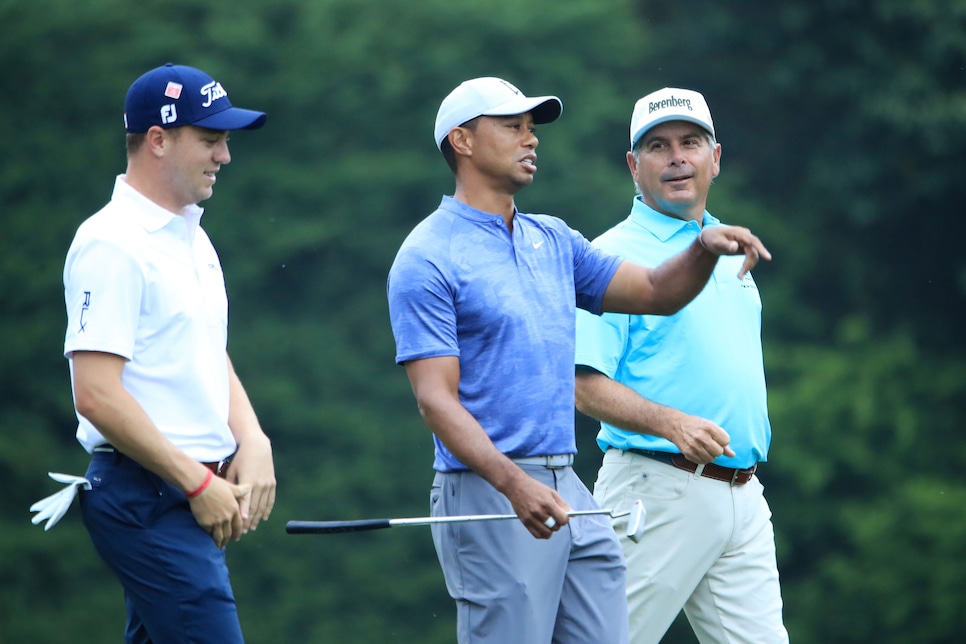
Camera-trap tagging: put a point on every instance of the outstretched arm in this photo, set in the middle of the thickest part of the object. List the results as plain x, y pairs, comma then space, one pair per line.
435, 383
665, 290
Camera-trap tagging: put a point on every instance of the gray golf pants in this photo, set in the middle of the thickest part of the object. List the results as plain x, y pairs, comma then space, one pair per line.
511, 588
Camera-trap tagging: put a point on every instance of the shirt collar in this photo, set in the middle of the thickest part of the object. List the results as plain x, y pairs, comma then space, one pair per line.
663, 226
149, 214
468, 212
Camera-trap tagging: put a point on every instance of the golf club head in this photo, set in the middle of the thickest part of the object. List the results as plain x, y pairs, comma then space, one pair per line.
635, 522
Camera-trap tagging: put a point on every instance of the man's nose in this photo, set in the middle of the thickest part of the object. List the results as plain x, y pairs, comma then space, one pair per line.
222, 155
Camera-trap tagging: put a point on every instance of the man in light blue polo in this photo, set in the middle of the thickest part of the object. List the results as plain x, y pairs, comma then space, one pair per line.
682, 403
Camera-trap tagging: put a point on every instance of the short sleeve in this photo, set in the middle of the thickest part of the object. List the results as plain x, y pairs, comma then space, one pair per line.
593, 271
601, 341
422, 309
103, 288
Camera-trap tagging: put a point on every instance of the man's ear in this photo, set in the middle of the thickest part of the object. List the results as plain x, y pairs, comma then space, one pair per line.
632, 164
155, 139
461, 138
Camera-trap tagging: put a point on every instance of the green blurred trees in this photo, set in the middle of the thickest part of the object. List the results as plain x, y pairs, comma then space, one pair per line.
841, 125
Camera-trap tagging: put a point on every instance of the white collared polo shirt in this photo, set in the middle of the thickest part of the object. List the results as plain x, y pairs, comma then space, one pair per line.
146, 284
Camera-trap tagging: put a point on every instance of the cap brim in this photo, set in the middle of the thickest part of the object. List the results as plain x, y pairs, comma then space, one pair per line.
234, 118
664, 119
545, 109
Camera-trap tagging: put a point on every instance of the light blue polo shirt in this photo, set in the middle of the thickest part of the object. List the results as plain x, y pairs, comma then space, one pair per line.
462, 285
706, 360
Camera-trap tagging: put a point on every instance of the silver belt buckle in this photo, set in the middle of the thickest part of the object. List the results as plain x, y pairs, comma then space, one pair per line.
559, 461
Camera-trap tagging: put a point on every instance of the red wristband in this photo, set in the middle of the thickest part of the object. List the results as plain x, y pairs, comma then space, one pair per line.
201, 488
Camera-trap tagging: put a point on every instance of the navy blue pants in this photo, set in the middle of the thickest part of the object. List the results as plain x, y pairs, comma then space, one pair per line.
176, 586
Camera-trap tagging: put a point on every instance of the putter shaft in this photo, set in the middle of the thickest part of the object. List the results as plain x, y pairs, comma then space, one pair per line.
467, 518
361, 525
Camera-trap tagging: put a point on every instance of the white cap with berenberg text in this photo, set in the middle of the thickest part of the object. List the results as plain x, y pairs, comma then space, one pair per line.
669, 104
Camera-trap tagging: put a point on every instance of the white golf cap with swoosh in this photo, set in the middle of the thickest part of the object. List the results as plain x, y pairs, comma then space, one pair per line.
489, 96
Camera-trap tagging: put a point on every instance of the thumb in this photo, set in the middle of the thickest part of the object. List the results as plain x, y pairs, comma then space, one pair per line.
724, 439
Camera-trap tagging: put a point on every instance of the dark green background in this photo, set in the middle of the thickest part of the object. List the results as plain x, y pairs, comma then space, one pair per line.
843, 126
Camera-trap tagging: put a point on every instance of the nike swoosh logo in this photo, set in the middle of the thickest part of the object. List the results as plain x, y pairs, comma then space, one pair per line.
537, 245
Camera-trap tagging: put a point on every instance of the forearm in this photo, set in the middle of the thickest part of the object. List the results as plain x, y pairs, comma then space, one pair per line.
462, 435
242, 420
126, 426
616, 404
680, 278
699, 439
253, 464
435, 383
664, 290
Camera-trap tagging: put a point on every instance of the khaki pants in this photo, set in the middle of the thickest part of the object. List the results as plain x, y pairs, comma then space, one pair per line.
708, 548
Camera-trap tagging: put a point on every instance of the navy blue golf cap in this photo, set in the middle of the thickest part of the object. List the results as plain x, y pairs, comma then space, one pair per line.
176, 95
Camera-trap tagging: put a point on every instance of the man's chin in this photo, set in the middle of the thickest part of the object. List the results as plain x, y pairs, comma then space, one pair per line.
522, 181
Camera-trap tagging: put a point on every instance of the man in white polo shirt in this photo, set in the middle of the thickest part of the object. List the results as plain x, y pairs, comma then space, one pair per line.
180, 465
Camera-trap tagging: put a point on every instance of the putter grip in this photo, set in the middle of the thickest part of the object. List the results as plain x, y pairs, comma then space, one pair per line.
333, 527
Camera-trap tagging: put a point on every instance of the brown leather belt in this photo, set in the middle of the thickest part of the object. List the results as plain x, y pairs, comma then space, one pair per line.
729, 475
219, 468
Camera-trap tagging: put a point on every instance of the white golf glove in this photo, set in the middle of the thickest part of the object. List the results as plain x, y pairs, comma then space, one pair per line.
55, 506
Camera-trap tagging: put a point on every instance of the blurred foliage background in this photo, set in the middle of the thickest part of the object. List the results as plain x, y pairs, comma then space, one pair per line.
842, 124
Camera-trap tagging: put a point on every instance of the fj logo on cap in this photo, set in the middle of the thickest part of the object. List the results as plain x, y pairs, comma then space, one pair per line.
169, 114
670, 102
213, 91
